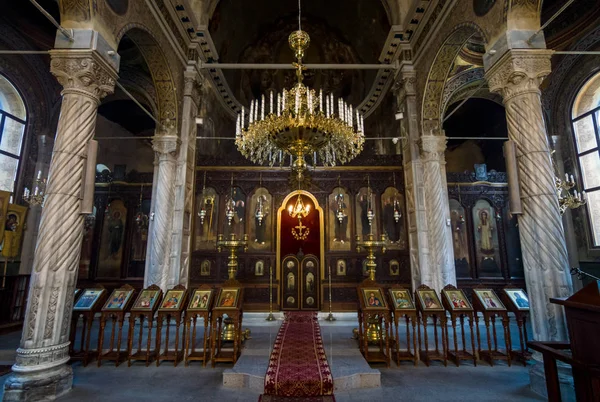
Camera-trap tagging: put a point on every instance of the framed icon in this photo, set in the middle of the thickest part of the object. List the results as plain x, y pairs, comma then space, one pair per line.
373, 298
146, 300
429, 300
172, 300
259, 268
394, 268
88, 299
340, 268
456, 300
401, 299
201, 300
518, 298
118, 300
205, 268
488, 299
228, 298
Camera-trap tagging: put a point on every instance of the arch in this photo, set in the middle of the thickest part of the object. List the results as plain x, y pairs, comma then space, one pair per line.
283, 208
433, 105
166, 101
523, 14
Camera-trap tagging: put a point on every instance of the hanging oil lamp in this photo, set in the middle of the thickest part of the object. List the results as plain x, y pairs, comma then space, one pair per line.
202, 212
230, 207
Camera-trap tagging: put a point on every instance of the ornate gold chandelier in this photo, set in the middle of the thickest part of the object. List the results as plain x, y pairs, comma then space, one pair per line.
300, 122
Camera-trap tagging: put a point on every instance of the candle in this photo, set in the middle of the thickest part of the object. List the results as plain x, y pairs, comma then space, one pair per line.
271, 102
262, 108
297, 102
39, 176
278, 104
566, 177
35, 191
251, 112
237, 125
583, 195
321, 101
256, 110
283, 96
243, 120
572, 179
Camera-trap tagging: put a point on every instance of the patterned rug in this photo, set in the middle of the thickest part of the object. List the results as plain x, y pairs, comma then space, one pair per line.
298, 366
271, 398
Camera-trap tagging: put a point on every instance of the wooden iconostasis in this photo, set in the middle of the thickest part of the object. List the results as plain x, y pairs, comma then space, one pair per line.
485, 236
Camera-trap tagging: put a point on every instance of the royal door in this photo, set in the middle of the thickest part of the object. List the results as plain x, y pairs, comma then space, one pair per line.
300, 251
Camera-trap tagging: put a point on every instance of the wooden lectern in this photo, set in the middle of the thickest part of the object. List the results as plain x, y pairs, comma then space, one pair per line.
583, 321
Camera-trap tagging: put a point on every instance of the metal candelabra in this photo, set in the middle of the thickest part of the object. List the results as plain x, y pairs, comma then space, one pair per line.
370, 243
270, 316
232, 244
330, 317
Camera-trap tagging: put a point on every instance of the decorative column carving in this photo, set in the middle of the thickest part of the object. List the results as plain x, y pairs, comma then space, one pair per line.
441, 252
184, 190
158, 268
44, 349
517, 76
406, 99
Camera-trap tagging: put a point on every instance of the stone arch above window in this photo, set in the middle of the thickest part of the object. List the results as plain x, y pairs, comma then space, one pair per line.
13, 119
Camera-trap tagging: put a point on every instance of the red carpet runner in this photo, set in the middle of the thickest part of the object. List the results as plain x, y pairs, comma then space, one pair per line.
298, 367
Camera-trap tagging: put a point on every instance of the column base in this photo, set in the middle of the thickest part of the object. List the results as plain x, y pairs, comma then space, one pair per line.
45, 385
537, 379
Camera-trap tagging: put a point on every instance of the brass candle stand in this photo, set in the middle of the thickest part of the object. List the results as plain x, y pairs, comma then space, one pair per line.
270, 316
371, 244
330, 317
232, 244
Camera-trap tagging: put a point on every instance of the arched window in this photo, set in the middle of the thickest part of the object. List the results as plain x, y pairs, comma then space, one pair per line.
586, 127
13, 117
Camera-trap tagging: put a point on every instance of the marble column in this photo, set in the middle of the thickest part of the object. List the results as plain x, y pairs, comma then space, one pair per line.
441, 253
40, 371
517, 76
159, 270
184, 186
418, 242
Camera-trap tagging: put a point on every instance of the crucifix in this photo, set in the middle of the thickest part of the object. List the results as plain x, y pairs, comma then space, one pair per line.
301, 234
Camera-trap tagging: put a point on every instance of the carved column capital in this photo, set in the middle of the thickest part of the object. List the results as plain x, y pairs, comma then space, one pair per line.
405, 85
83, 72
433, 147
519, 71
192, 85
164, 145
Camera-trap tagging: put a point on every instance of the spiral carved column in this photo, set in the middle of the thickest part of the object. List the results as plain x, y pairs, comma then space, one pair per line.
441, 252
159, 270
44, 348
416, 214
517, 76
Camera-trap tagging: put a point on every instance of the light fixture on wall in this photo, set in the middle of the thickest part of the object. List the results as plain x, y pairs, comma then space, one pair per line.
566, 199
141, 218
230, 205
39, 191
260, 212
300, 122
202, 213
397, 212
370, 210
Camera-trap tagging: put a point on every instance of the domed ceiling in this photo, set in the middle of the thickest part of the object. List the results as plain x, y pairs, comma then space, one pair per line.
341, 31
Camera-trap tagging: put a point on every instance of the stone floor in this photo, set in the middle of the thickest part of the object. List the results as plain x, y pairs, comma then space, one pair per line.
197, 383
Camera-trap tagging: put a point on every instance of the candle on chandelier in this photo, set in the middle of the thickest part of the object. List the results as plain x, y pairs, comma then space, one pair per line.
327, 106
39, 176
321, 100
566, 177
278, 104
243, 121
583, 196
283, 96
256, 111
251, 112
262, 108
297, 101
572, 179
237, 126
271, 102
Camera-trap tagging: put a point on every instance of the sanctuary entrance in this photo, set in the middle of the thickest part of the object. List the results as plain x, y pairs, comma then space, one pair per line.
300, 251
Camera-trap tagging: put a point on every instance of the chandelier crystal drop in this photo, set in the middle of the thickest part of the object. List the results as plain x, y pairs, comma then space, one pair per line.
300, 122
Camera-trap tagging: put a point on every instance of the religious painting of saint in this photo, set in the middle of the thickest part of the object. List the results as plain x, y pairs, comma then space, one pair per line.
459, 239
200, 300
291, 281
338, 219
519, 298
146, 300
172, 300
310, 283
112, 240
139, 239
401, 299
205, 219
456, 299
429, 300
392, 205
13, 230
486, 239
365, 268
205, 268
235, 203
228, 298
488, 299
259, 268
4, 201
118, 300
366, 206
340, 268
394, 268
373, 298
88, 299
259, 220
